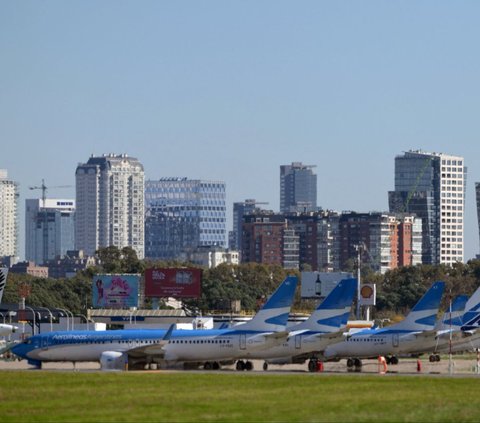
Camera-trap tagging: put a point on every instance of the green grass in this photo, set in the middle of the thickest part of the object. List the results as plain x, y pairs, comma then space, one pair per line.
27, 396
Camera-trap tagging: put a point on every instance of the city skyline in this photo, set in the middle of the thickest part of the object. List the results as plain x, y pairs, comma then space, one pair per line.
230, 92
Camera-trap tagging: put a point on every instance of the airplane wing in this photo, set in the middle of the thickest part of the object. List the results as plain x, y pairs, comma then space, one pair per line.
152, 349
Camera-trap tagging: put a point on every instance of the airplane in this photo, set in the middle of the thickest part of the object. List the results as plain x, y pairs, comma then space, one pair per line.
4, 328
147, 348
309, 339
388, 341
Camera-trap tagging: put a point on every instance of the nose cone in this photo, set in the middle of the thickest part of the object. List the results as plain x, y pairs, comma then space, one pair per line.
21, 350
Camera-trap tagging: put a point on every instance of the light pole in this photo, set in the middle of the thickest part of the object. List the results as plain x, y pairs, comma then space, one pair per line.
85, 317
34, 322
51, 318
66, 314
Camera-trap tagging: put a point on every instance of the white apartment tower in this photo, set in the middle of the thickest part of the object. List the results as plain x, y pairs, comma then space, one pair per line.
432, 185
110, 192
8, 215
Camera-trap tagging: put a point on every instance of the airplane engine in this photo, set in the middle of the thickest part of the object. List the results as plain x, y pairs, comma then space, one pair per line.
113, 360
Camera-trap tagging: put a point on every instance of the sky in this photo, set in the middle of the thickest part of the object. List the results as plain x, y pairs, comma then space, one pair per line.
231, 90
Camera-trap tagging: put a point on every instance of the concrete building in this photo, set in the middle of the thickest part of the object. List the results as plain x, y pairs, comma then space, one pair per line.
387, 241
298, 188
213, 256
49, 229
110, 204
183, 214
267, 239
8, 216
432, 186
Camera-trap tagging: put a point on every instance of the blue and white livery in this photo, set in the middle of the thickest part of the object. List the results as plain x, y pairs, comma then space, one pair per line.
148, 348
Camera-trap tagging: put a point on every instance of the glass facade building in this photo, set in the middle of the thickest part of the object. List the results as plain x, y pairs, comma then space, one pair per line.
183, 214
298, 188
432, 186
49, 229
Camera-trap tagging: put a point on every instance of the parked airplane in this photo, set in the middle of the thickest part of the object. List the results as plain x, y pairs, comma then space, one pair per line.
309, 339
4, 328
389, 341
140, 348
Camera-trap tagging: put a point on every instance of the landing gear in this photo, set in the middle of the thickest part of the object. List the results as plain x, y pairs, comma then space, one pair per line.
265, 366
209, 365
244, 365
391, 359
354, 364
433, 358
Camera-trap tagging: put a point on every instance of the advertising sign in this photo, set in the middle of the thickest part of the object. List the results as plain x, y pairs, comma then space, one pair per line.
115, 291
177, 283
319, 284
368, 294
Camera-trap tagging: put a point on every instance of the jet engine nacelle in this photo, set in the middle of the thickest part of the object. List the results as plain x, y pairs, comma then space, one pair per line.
113, 360
7, 329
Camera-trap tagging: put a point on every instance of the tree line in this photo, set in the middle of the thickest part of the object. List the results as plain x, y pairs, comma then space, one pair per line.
250, 283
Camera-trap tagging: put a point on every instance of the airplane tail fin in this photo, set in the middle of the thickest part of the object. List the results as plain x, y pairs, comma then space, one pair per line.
471, 317
453, 319
424, 314
273, 316
333, 312
3, 280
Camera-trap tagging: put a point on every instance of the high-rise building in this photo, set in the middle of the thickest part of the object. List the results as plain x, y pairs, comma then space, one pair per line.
110, 204
387, 241
432, 186
8, 216
49, 229
183, 214
267, 239
240, 209
477, 191
298, 188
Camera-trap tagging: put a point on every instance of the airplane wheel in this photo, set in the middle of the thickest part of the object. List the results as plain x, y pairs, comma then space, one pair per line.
350, 362
248, 366
357, 362
265, 366
431, 358
216, 366
437, 357
312, 366
240, 365
207, 366
394, 360
388, 359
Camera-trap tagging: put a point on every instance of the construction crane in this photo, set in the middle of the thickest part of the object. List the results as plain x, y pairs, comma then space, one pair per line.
44, 188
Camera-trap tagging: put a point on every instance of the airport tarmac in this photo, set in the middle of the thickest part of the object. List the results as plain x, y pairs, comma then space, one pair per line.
461, 365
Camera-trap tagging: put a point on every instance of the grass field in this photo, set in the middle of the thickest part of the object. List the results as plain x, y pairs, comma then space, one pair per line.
27, 396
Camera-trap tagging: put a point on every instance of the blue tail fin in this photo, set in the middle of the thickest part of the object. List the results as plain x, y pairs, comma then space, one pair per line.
333, 311
273, 316
471, 317
424, 314
453, 317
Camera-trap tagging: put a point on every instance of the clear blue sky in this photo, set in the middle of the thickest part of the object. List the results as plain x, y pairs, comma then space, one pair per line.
230, 90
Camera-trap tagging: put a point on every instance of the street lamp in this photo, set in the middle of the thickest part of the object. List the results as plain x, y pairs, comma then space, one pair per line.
34, 323
85, 317
66, 314
51, 317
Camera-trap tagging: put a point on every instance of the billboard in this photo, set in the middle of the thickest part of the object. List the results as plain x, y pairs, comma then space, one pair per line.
319, 284
115, 291
177, 283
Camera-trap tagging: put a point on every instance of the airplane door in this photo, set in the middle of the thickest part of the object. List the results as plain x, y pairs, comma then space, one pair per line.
243, 341
298, 341
395, 340
45, 342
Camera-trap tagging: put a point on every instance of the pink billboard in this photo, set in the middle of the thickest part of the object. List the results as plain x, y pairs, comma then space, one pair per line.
177, 283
